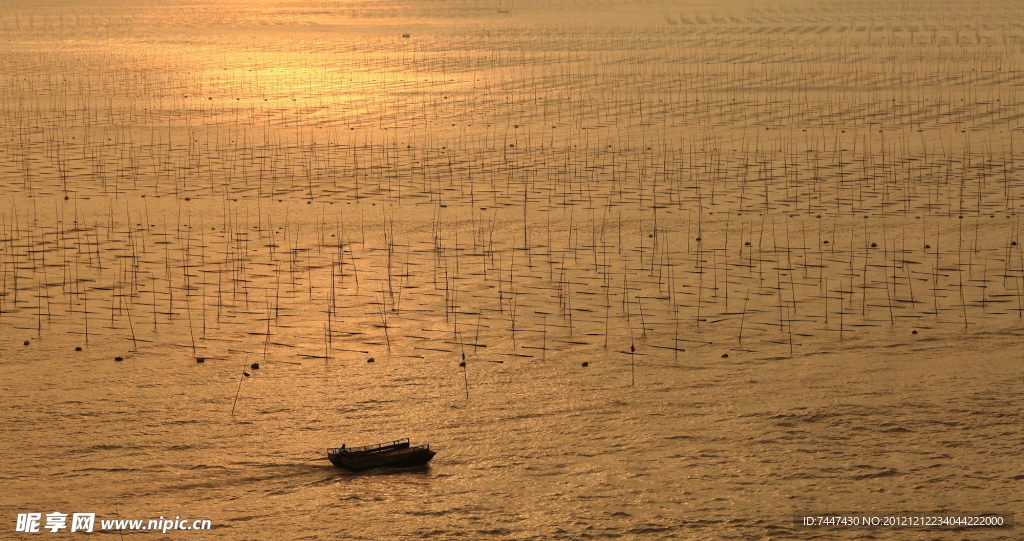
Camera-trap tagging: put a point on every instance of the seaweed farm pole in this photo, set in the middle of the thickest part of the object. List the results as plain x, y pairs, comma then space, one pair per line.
841, 309
476, 340
632, 366
984, 285
512, 317
643, 323
544, 346
266, 339
191, 333
675, 341
135, 345
465, 377
1020, 305
384, 320
826, 300
330, 304
85, 310
239, 390
700, 281
743, 317
118, 516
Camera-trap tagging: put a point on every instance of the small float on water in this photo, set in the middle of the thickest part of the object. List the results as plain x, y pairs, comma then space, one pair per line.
394, 454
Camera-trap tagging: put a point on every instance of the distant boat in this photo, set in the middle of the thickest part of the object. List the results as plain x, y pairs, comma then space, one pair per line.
395, 454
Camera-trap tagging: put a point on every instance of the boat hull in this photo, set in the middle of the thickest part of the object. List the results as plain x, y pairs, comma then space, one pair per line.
383, 456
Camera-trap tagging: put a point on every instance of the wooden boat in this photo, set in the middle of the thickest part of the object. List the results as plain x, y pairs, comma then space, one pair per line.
393, 454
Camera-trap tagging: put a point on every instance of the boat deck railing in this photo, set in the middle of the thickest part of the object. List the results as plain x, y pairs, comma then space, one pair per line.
404, 442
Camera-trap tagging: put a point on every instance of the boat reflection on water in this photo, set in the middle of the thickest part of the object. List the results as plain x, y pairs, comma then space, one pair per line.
394, 454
